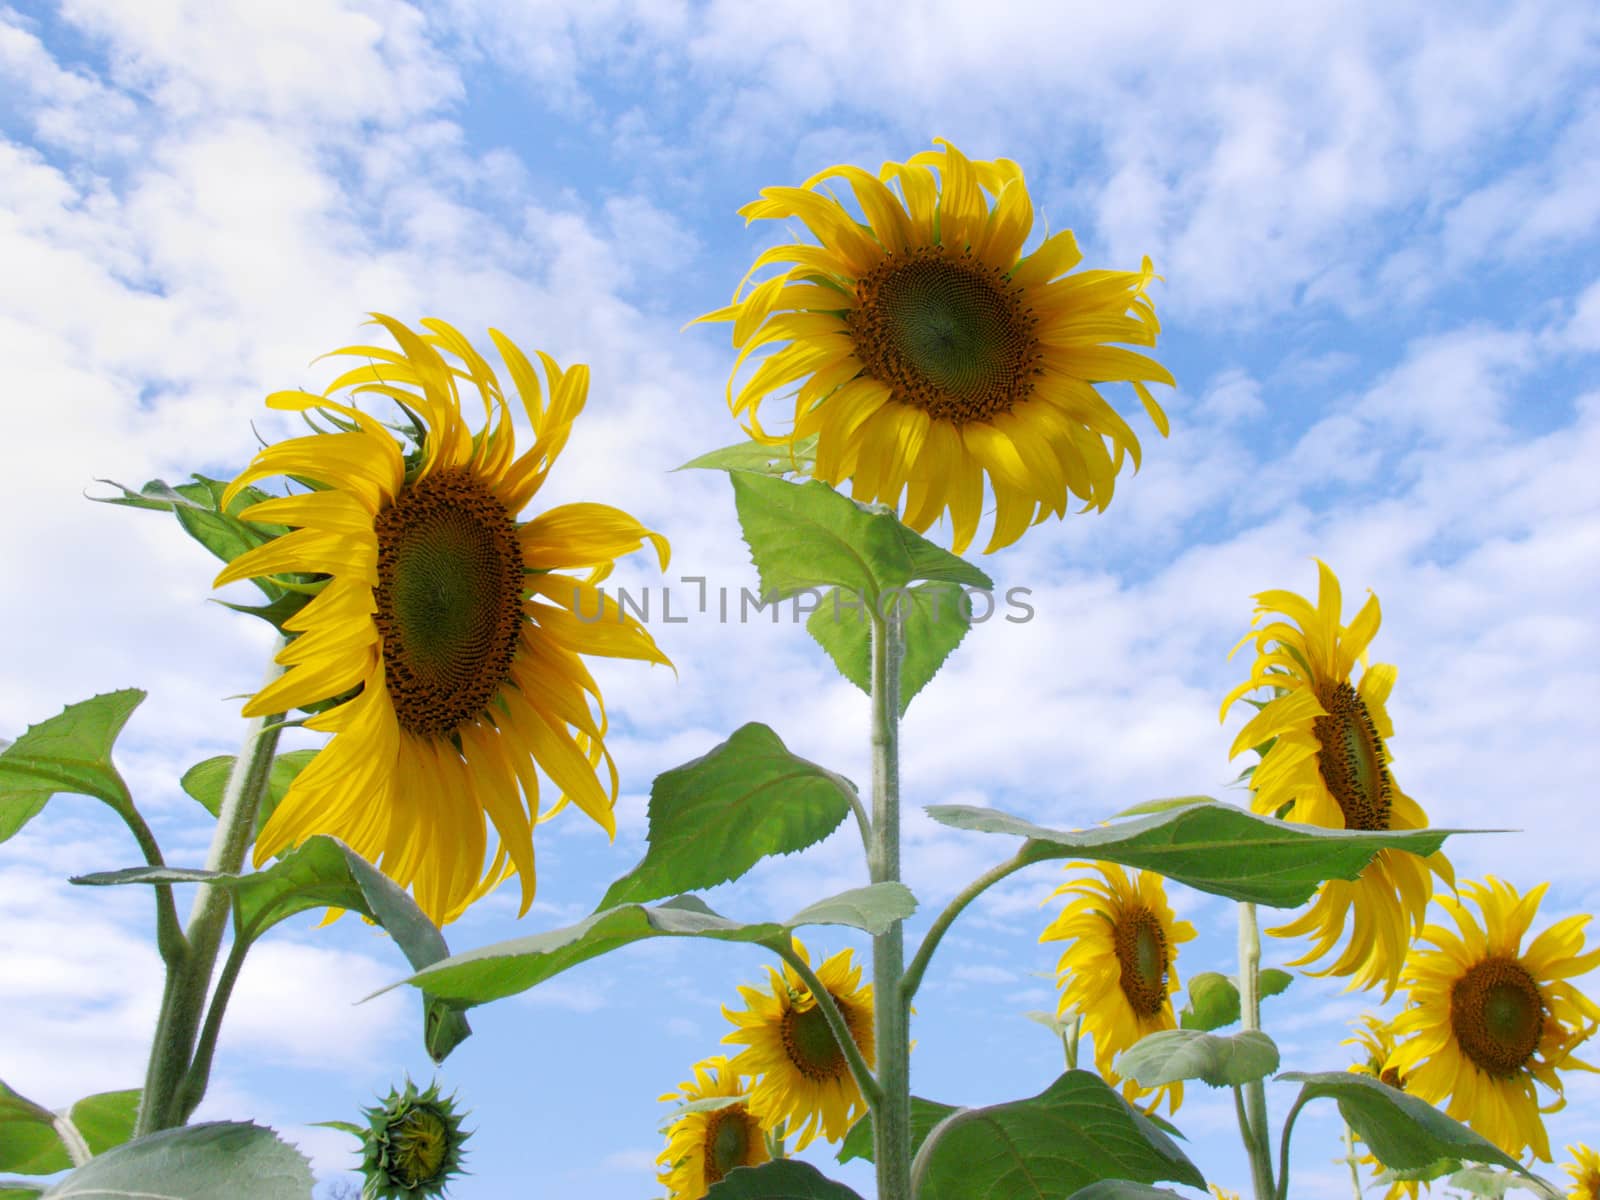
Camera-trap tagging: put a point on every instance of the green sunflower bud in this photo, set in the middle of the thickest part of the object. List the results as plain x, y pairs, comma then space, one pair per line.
412, 1145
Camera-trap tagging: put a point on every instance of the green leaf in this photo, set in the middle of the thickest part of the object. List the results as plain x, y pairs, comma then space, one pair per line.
323, 872
925, 1114
1167, 804
506, 968
198, 508
206, 781
1214, 999
12, 1189
1170, 1055
1121, 1189
712, 819
194, 1162
809, 536
780, 1179
758, 457
1077, 1131
935, 622
349, 1127
67, 753
1485, 1181
106, 1118
1401, 1131
1211, 847
29, 1144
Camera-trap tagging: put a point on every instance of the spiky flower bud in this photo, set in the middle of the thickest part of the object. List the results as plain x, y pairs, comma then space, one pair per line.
412, 1145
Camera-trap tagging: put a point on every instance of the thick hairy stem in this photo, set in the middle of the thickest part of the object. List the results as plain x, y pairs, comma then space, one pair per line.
1257, 1139
891, 1120
198, 1077
184, 999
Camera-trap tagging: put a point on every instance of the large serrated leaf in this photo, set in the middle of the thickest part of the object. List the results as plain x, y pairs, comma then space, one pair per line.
506, 968
1174, 1055
1075, 1132
1401, 1131
1212, 847
194, 1162
70, 752
780, 1179
925, 1114
1121, 1189
713, 819
106, 1118
807, 535
935, 616
323, 872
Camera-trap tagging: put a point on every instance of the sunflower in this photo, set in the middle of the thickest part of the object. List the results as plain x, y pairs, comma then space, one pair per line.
704, 1146
804, 1078
1376, 1038
1121, 970
441, 629
1486, 1019
1585, 1172
928, 353
1328, 764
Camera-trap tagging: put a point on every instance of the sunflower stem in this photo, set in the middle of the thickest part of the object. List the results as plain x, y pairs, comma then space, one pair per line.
836, 1024
198, 1077
1253, 1117
930, 940
891, 1119
1350, 1157
183, 1000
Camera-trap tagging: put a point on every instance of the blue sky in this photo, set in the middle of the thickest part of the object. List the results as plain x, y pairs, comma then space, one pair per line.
1382, 306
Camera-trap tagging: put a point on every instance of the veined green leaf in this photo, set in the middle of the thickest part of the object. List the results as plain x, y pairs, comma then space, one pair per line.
713, 819
936, 621
780, 1179
206, 781
1213, 999
70, 752
1075, 1132
925, 1114
1401, 1131
29, 1144
506, 968
1173, 1055
193, 1162
759, 457
1211, 847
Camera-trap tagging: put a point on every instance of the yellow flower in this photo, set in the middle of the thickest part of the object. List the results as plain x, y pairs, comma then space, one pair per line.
1223, 1193
928, 354
1120, 971
1585, 1172
804, 1077
442, 630
1377, 1039
1328, 765
1486, 1018
704, 1146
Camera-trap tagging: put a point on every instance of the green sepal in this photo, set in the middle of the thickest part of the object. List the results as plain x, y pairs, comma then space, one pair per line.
506, 968
713, 819
68, 753
1214, 848
388, 1161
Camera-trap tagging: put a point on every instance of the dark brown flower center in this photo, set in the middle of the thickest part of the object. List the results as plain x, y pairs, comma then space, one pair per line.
449, 600
1141, 948
729, 1134
810, 1044
1497, 1014
1352, 759
950, 335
